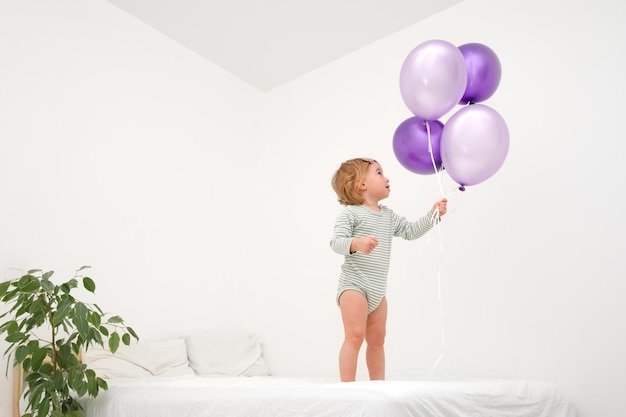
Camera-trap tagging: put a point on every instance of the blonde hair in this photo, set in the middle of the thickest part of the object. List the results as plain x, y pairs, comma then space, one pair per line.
347, 178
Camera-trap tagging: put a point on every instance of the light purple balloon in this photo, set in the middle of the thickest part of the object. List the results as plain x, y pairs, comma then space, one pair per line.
474, 144
483, 72
433, 78
412, 145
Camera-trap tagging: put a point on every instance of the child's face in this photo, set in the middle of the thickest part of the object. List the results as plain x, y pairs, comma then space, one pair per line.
376, 186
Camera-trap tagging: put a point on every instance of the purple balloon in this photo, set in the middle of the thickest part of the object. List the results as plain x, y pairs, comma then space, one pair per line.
483, 72
412, 145
432, 79
474, 144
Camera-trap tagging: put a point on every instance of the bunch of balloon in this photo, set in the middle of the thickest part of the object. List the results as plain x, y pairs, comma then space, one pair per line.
432, 81
475, 141
434, 78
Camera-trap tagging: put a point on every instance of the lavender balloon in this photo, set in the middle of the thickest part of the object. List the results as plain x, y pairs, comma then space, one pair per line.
432, 79
474, 144
483, 72
412, 146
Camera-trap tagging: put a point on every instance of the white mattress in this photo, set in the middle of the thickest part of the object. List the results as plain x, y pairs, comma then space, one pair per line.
273, 396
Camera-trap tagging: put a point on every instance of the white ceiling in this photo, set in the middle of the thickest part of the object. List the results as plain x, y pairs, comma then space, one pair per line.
267, 43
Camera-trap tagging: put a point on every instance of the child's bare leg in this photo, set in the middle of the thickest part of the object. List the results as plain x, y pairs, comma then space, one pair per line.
375, 337
353, 307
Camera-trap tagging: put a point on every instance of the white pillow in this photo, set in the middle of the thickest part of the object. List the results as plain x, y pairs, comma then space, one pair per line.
165, 358
229, 354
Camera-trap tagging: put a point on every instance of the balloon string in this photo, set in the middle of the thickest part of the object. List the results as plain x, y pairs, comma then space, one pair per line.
439, 290
432, 370
438, 172
439, 294
452, 207
436, 215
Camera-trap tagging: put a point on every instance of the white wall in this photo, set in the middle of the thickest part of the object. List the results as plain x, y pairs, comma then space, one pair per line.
197, 200
123, 151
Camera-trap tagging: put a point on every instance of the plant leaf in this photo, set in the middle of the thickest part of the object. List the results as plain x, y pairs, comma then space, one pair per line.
79, 385
114, 342
47, 286
46, 368
89, 284
30, 285
81, 318
65, 353
132, 332
115, 319
37, 358
103, 330
58, 381
99, 309
62, 310
9, 327
4, 287
44, 408
20, 353
102, 383
15, 337
95, 319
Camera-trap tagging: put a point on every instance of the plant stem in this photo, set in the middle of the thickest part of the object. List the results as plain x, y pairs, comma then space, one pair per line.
54, 345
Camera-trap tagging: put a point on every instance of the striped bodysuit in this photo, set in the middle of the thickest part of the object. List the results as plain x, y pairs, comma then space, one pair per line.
367, 273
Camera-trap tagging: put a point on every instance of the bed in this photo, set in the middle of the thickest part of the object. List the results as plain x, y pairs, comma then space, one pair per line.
282, 397
222, 374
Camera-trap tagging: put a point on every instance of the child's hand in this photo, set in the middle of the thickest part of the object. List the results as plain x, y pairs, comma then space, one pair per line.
440, 207
363, 244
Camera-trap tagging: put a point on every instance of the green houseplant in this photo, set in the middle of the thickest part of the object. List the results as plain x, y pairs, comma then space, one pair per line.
47, 328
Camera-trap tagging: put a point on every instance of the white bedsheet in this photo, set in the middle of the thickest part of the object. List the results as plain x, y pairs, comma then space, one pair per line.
273, 396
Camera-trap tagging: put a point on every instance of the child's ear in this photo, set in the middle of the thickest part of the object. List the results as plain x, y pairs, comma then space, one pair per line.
360, 185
